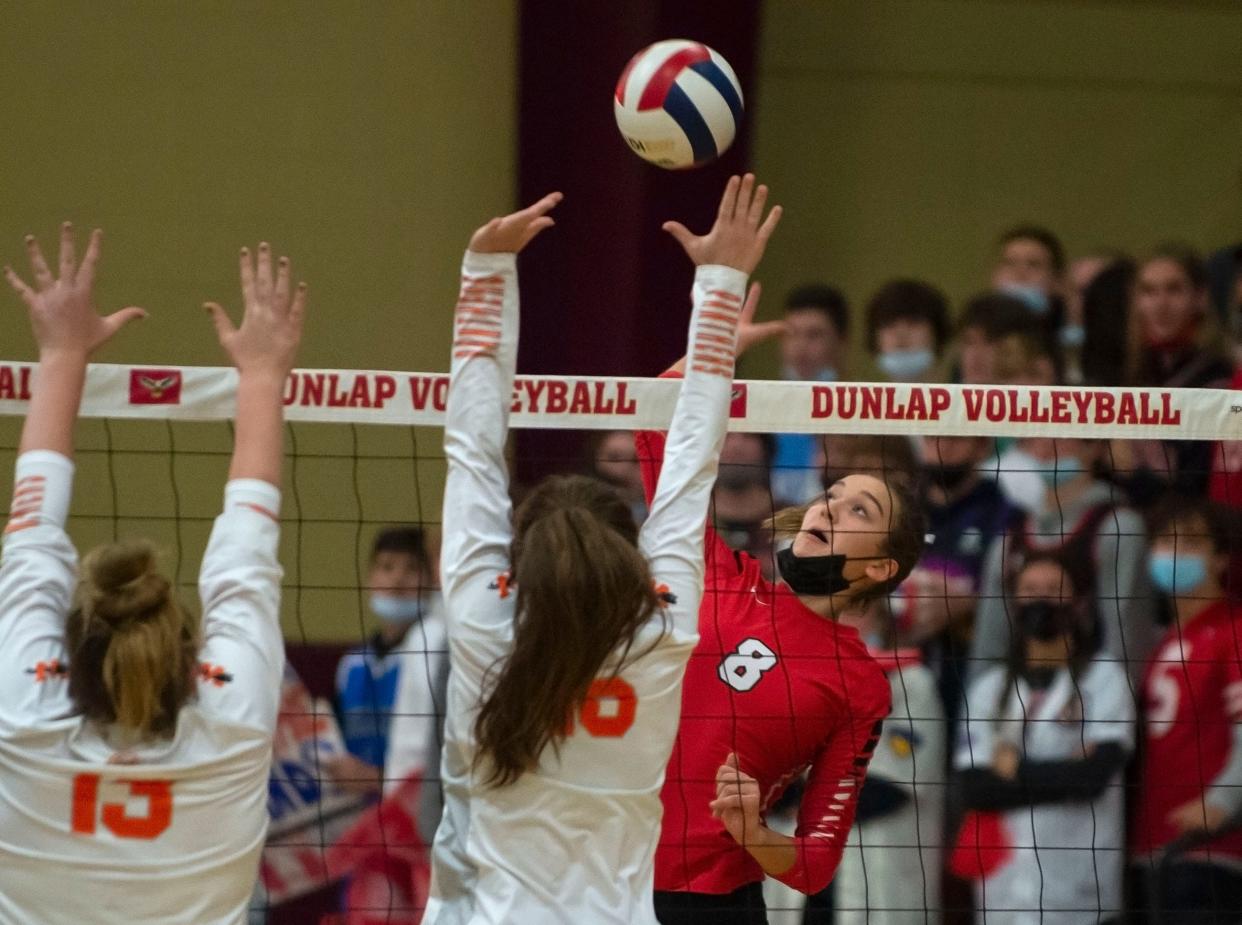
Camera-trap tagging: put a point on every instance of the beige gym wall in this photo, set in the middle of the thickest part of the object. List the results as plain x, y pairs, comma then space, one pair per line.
364, 140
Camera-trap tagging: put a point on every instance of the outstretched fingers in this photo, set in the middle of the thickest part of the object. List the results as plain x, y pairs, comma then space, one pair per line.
86, 272
19, 286
745, 192
263, 274
770, 223
281, 303
755, 213
297, 311
117, 320
247, 277
68, 254
42, 274
543, 206
220, 318
728, 199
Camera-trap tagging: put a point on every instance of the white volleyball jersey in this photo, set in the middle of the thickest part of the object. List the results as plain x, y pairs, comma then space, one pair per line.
573, 841
95, 830
890, 871
1066, 859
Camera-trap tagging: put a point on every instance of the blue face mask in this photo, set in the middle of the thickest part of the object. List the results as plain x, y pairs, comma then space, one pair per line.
1174, 574
823, 374
1072, 335
1067, 469
392, 609
1034, 297
905, 365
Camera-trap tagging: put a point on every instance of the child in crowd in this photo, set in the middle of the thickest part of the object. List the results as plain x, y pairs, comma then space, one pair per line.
401, 584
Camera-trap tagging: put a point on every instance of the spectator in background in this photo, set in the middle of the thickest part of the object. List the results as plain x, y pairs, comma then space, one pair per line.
986, 321
1073, 333
890, 872
1044, 743
742, 500
1224, 273
1100, 541
1026, 355
907, 327
815, 345
1171, 311
1030, 265
400, 581
814, 348
1191, 775
966, 514
1109, 329
614, 459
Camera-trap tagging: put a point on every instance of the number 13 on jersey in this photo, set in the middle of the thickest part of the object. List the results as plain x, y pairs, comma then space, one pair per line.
115, 816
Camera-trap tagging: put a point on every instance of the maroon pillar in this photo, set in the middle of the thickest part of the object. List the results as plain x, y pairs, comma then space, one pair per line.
607, 292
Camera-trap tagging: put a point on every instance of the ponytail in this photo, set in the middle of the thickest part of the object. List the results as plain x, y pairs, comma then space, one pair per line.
131, 652
583, 591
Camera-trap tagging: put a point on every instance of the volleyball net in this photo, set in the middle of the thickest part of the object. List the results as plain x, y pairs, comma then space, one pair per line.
364, 452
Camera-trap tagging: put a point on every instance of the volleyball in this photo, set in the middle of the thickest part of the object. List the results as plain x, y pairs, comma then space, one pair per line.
678, 104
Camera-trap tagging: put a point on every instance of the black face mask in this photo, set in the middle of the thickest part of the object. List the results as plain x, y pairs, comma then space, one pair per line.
816, 576
950, 478
1044, 620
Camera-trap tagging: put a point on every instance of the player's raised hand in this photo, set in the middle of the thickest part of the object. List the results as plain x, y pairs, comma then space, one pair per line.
62, 307
741, 232
508, 234
737, 801
271, 329
751, 332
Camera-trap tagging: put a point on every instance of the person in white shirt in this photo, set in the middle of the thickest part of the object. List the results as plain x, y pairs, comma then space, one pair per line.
569, 629
134, 742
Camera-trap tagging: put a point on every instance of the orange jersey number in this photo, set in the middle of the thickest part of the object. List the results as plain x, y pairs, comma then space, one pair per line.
616, 720
115, 817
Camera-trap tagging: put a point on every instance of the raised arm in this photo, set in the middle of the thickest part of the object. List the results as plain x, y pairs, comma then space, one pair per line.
485, 339
39, 563
68, 331
263, 350
239, 584
672, 537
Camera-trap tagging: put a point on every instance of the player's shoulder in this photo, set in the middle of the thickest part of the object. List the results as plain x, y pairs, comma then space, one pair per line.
865, 683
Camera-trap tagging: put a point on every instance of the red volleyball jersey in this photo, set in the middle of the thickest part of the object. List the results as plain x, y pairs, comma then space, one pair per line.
1192, 697
787, 690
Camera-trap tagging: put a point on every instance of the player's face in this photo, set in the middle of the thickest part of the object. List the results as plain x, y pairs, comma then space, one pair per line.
1166, 302
853, 520
1025, 262
396, 573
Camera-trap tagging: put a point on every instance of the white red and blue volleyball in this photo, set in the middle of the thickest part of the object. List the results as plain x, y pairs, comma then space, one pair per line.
678, 104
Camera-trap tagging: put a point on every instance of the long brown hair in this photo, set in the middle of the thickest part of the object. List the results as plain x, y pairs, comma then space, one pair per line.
132, 652
583, 591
